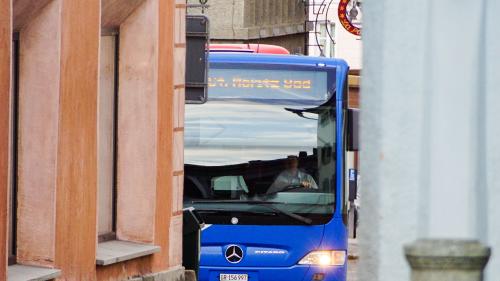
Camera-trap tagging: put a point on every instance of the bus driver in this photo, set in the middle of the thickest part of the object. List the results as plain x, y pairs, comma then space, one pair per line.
292, 177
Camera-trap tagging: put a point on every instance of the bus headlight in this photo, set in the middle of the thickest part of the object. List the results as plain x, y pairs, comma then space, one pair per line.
324, 258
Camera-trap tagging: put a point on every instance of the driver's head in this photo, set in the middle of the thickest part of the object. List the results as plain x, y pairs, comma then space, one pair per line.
292, 162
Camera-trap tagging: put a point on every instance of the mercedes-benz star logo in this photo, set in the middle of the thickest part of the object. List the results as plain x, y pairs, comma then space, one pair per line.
234, 254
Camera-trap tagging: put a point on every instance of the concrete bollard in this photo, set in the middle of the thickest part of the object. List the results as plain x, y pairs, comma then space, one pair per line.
447, 260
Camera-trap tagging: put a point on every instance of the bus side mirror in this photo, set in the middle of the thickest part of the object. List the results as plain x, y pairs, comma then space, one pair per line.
197, 39
352, 129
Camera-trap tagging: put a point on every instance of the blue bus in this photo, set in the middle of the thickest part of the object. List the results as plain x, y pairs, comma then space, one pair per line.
265, 168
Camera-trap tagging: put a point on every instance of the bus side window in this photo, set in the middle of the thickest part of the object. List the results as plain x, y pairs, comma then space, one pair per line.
229, 186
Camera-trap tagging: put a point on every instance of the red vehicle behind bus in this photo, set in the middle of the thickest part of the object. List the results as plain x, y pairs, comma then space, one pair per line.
249, 48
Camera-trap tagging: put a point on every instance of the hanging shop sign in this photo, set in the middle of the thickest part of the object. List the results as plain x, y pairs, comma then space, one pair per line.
349, 13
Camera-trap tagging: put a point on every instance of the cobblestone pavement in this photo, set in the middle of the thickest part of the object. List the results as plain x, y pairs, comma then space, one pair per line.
352, 270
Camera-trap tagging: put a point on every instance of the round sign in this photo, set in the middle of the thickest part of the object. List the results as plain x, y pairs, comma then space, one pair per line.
349, 9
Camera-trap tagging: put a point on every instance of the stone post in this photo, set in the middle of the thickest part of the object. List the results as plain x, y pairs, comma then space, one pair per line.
429, 130
447, 260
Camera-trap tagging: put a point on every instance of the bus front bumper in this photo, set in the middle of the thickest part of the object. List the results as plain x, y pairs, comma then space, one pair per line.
293, 273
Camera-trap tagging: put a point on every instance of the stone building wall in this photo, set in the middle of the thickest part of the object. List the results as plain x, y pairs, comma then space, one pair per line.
91, 139
280, 22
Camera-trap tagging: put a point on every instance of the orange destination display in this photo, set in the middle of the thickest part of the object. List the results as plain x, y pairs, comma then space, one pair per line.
267, 83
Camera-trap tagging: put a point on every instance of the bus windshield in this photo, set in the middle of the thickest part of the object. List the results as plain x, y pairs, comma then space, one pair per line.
263, 155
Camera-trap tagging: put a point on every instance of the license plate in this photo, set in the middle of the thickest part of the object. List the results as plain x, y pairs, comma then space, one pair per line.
233, 277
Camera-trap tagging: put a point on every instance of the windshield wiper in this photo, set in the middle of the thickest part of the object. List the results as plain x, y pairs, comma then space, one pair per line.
217, 211
299, 112
268, 205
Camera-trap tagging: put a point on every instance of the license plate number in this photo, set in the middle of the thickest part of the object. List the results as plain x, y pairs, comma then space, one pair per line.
233, 277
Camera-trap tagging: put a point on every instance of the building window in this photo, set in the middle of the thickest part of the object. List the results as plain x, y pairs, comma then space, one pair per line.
106, 137
13, 153
326, 38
